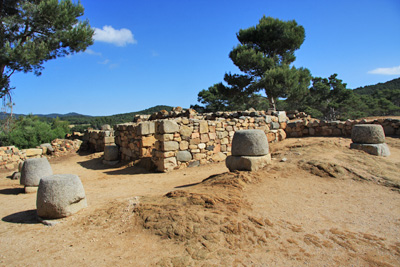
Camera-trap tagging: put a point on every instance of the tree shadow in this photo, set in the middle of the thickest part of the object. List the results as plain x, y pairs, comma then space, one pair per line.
24, 217
12, 191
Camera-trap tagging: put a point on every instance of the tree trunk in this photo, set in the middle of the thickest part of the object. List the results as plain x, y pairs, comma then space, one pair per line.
272, 104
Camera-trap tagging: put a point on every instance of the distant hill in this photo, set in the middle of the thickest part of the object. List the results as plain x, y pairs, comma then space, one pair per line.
371, 89
94, 121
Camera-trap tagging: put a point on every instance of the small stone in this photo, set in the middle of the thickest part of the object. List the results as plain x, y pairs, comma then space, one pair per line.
218, 157
283, 159
16, 176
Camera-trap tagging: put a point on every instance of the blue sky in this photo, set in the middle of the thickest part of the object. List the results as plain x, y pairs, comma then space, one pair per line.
156, 52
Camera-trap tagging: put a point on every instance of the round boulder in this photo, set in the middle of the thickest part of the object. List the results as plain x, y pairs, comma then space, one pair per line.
250, 143
33, 170
59, 196
368, 134
111, 152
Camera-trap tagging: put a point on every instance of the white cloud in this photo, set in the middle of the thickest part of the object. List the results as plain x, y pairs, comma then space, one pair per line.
108, 34
386, 71
91, 52
105, 62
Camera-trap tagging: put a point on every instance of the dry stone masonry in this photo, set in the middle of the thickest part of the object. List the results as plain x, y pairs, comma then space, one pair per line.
369, 138
314, 127
187, 139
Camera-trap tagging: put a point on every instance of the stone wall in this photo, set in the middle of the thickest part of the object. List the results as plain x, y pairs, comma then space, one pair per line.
95, 140
314, 127
11, 156
185, 142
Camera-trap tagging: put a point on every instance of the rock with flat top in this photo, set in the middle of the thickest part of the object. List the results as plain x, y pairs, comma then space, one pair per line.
373, 149
247, 163
250, 143
368, 134
33, 170
59, 196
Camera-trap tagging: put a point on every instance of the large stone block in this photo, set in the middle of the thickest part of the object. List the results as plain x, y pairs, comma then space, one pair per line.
33, 170
32, 152
166, 126
145, 128
247, 163
186, 130
373, 149
166, 164
203, 127
184, 156
148, 141
111, 153
368, 134
60, 196
170, 146
250, 143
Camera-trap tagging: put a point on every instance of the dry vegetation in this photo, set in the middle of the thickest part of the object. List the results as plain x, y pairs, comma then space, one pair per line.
323, 204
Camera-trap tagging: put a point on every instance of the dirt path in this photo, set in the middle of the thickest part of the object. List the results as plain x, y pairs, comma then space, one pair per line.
324, 204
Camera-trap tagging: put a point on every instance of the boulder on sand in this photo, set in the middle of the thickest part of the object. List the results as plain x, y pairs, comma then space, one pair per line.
59, 196
33, 170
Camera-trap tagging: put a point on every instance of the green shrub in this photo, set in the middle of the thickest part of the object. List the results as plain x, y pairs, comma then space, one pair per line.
30, 131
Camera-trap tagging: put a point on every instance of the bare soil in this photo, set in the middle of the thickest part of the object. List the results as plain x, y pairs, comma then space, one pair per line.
319, 203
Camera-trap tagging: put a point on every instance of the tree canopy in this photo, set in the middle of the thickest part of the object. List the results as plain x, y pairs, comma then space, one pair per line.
265, 54
35, 31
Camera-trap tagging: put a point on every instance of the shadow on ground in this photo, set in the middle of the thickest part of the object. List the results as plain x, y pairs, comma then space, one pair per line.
12, 191
24, 217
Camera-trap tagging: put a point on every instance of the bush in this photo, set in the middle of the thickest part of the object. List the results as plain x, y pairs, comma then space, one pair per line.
28, 132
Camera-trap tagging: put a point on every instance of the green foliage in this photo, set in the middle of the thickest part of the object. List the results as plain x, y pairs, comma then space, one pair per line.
227, 98
265, 55
35, 31
30, 131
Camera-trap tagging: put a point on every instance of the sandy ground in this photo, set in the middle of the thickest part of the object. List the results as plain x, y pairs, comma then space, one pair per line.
318, 204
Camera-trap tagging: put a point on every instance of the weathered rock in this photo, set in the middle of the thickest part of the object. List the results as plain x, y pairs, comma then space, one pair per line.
106, 127
146, 128
166, 164
250, 143
218, 157
32, 152
166, 126
373, 149
368, 134
247, 163
194, 164
111, 153
170, 146
184, 156
48, 147
59, 196
33, 170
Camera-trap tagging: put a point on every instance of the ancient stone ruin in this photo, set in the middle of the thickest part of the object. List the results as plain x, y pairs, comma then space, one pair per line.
32, 171
59, 196
250, 151
111, 154
369, 138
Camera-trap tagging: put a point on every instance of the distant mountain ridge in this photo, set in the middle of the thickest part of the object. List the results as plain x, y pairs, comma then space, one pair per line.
371, 89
